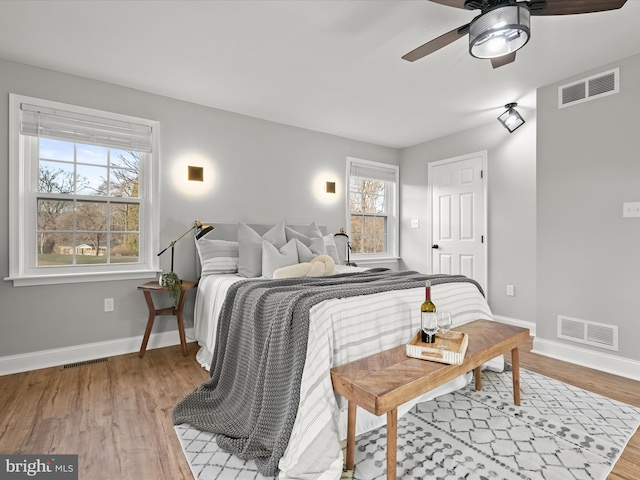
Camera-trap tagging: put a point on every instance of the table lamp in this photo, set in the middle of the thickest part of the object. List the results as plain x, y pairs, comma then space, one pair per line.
201, 231
342, 234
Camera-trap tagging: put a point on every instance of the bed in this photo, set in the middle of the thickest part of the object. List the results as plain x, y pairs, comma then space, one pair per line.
339, 330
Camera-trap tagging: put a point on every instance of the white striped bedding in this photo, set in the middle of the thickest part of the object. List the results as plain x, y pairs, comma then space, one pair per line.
342, 330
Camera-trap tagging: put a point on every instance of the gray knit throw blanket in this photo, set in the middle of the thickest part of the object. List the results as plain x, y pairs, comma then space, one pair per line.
252, 398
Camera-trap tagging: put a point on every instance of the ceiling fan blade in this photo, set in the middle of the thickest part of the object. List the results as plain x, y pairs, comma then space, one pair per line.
436, 44
503, 60
572, 7
450, 3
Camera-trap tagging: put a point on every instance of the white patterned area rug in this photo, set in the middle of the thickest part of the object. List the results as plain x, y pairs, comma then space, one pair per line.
559, 432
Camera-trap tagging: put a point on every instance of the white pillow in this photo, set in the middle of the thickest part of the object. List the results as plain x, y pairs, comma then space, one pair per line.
273, 259
217, 256
250, 246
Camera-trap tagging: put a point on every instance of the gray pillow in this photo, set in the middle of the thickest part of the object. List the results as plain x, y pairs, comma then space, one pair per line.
329, 248
291, 234
273, 259
250, 247
313, 231
308, 253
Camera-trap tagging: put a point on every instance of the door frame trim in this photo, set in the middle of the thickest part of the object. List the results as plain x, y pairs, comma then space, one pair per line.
485, 176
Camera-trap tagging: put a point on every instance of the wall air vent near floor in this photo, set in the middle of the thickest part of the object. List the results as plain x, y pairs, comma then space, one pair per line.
590, 88
591, 333
86, 362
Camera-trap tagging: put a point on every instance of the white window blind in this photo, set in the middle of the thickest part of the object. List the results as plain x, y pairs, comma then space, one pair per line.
375, 172
57, 124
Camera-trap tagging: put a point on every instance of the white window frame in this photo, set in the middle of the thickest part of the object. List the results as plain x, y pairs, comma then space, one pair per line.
23, 176
392, 254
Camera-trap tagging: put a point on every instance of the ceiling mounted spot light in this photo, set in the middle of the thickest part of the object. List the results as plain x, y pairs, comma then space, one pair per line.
511, 119
499, 31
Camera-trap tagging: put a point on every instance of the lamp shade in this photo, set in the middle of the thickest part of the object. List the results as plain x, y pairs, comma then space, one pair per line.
499, 31
511, 119
202, 230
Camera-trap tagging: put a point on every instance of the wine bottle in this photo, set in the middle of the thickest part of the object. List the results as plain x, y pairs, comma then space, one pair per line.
428, 318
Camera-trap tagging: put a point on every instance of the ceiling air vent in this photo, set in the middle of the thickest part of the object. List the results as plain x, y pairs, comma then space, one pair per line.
590, 333
590, 88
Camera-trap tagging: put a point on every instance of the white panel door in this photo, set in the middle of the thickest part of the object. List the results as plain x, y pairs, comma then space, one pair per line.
458, 217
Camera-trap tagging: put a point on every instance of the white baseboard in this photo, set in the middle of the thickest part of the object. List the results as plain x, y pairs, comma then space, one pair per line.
518, 323
91, 351
605, 362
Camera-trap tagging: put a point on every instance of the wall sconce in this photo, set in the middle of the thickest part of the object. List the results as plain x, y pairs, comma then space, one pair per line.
330, 187
511, 119
195, 174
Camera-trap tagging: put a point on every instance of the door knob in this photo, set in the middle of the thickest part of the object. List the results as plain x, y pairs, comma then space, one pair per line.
435, 245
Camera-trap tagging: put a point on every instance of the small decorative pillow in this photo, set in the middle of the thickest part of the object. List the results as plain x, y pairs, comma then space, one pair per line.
332, 249
328, 262
329, 245
217, 256
250, 246
321, 266
315, 243
308, 253
273, 259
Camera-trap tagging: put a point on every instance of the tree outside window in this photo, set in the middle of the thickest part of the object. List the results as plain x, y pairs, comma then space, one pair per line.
88, 204
368, 209
371, 206
82, 184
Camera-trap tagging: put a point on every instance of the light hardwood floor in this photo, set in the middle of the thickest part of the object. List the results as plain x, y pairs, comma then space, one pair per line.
117, 415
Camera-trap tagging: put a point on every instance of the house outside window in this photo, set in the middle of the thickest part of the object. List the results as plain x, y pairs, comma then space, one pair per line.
82, 184
372, 209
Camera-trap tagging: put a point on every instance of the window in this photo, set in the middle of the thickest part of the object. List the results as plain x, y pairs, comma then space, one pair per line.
81, 187
372, 209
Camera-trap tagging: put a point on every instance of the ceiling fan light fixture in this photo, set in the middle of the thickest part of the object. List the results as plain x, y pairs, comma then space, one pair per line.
511, 119
499, 31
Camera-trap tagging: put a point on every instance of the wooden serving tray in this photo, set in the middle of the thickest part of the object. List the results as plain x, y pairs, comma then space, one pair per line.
456, 341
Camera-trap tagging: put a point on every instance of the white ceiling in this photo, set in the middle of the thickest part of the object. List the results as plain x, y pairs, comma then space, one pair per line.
324, 65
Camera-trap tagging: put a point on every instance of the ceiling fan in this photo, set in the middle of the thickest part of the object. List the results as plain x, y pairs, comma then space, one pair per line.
503, 26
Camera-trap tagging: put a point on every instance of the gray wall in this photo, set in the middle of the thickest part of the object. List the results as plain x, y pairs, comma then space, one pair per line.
583, 264
588, 255
511, 209
255, 171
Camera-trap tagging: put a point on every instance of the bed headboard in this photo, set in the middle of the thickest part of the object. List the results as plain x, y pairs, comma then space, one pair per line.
229, 231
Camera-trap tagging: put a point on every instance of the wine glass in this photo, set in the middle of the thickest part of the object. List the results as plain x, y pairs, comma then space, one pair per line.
444, 324
429, 322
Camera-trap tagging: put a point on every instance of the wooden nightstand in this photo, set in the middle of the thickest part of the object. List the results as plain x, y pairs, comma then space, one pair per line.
149, 287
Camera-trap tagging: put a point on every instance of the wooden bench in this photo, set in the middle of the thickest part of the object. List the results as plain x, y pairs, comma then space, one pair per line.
380, 383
